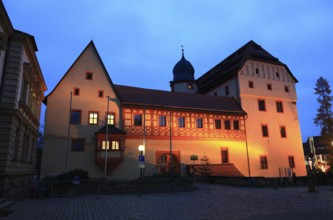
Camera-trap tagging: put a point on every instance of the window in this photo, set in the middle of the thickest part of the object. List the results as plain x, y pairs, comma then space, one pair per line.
138, 119
100, 93
226, 90
162, 120
236, 125
264, 130
93, 118
291, 161
76, 91
89, 75
251, 84
261, 105
277, 75
227, 124
269, 86
279, 106
218, 124
286, 89
104, 145
115, 145
257, 71
199, 123
189, 86
181, 122
263, 162
76, 117
225, 155
110, 119
283, 132
78, 145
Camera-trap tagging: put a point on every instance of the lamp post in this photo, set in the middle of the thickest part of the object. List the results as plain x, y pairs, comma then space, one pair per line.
141, 164
106, 137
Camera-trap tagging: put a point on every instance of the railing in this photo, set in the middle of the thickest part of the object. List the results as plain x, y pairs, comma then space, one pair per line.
186, 132
95, 187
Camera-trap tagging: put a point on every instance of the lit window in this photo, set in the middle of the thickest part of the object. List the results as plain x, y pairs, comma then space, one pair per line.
264, 130
76, 91
283, 132
189, 86
100, 93
199, 123
110, 118
76, 117
181, 122
279, 106
105, 145
227, 124
236, 124
225, 155
251, 84
218, 124
162, 121
261, 105
291, 161
263, 162
115, 145
78, 145
138, 119
89, 75
93, 118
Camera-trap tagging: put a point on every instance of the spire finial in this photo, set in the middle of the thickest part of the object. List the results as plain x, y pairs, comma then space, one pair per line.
182, 50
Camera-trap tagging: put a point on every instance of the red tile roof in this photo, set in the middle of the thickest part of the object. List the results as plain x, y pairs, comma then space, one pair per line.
133, 96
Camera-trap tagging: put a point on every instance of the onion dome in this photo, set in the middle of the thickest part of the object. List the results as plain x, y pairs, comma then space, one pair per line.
183, 70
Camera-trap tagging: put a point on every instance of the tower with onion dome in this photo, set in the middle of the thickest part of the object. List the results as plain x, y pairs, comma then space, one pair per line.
183, 77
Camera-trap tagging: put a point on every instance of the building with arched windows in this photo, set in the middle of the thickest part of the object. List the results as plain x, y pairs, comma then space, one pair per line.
241, 114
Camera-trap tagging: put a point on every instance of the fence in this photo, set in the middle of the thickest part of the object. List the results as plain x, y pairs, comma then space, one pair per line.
95, 187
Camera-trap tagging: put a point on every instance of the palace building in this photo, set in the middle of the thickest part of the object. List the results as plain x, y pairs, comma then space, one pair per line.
241, 114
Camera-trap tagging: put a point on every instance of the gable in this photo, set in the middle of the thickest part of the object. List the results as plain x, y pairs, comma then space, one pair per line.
88, 62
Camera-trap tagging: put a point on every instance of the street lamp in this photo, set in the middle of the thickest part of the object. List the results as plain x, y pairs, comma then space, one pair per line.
141, 164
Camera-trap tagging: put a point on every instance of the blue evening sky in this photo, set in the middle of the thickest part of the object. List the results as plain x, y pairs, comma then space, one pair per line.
140, 41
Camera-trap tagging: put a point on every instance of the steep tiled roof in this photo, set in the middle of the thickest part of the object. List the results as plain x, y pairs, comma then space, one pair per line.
132, 96
232, 64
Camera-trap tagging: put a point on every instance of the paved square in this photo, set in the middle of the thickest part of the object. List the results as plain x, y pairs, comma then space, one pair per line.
208, 202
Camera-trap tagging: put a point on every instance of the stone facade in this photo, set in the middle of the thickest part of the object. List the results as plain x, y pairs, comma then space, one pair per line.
21, 94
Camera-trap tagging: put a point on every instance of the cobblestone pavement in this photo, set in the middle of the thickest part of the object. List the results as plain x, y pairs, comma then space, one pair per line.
208, 202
